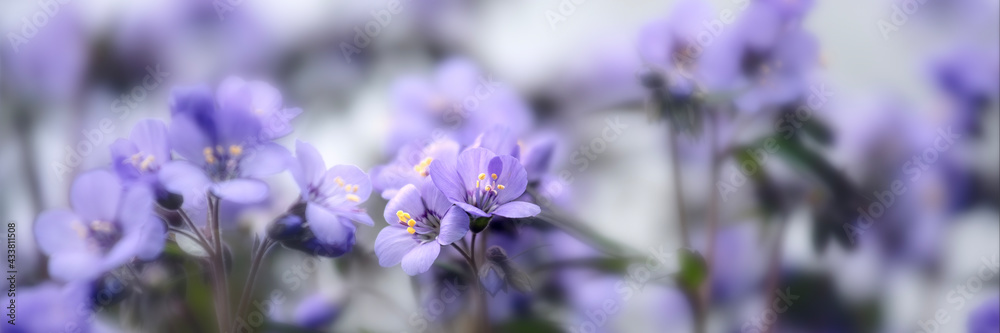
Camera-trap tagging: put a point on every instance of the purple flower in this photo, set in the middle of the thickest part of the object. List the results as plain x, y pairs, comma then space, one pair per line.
316, 312
968, 75
671, 45
139, 158
412, 166
485, 184
985, 318
459, 101
108, 226
765, 57
52, 308
263, 101
421, 220
226, 147
332, 197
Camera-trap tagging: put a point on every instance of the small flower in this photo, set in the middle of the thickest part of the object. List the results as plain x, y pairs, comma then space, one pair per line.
225, 147
260, 99
316, 312
108, 226
421, 220
332, 199
671, 46
485, 184
412, 166
139, 158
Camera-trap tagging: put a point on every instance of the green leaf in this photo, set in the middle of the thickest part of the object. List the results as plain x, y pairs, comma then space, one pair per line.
693, 270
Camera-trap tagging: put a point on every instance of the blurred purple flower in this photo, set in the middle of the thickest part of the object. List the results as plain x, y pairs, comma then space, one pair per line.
970, 76
108, 226
227, 147
139, 158
985, 318
263, 101
412, 166
766, 58
50, 63
421, 220
332, 198
458, 102
671, 45
485, 184
316, 312
49, 307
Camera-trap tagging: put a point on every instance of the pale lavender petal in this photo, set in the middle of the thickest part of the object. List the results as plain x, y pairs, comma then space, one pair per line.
75, 266
327, 226
472, 163
264, 160
122, 151
153, 238
188, 139
266, 98
510, 174
95, 195
421, 258
392, 243
57, 231
359, 217
434, 200
311, 166
454, 226
517, 209
242, 190
472, 209
407, 200
233, 94
184, 178
237, 127
446, 179
151, 137
136, 208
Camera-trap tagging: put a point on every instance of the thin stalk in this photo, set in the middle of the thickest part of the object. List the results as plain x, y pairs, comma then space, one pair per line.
197, 232
462, 252
219, 266
260, 252
678, 187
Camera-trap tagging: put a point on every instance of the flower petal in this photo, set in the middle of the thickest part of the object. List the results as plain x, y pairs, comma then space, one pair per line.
517, 209
392, 243
434, 200
472, 163
75, 266
421, 258
349, 175
55, 232
472, 209
151, 137
510, 174
186, 179
327, 226
407, 200
454, 226
188, 139
242, 190
310, 167
446, 179
264, 160
95, 195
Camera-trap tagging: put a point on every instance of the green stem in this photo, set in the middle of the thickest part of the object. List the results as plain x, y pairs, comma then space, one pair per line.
260, 252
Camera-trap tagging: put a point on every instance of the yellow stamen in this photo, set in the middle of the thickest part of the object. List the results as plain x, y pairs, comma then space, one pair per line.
500, 187
355, 189
146, 162
406, 216
411, 223
477, 184
209, 156
353, 197
494, 176
235, 150
101, 226
340, 181
488, 188
399, 213
482, 176
411, 230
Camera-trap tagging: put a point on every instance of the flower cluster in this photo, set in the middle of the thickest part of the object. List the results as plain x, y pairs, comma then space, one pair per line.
442, 188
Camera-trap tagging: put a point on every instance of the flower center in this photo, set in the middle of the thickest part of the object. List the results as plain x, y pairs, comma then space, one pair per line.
423, 168
485, 194
349, 190
143, 162
223, 163
423, 228
101, 235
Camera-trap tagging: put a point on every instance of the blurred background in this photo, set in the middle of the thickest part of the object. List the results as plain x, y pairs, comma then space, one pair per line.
895, 97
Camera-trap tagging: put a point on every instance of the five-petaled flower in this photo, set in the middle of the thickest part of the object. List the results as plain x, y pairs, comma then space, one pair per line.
421, 220
485, 184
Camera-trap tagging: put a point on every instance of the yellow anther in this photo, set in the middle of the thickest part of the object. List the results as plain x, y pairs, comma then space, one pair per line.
235, 150
488, 188
355, 189
340, 181
353, 197
411, 230
482, 176
146, 162
101, 226
399, 213
411, 223
406, 216
494, 176
500, 187
209, 156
